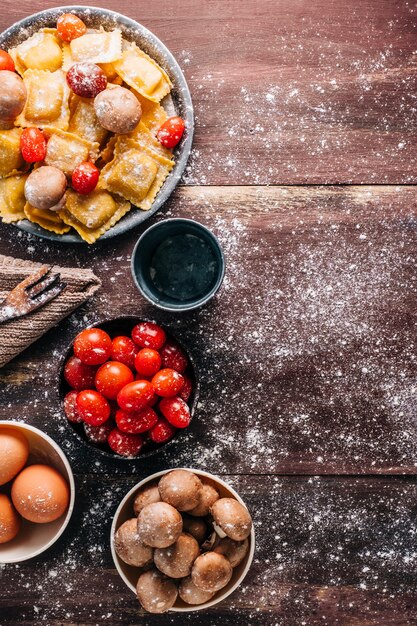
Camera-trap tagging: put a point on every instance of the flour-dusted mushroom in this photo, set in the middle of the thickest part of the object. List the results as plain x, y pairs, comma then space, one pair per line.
156, 592
177, 560
45, 187
147, 495
192, 594
118, 110
159, 525
181, 489
231, 518
129, 547
196, 527
211, 572
208, 496
234, 551
13, 95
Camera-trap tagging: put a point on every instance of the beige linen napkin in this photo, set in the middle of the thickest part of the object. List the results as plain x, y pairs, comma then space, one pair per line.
17, 335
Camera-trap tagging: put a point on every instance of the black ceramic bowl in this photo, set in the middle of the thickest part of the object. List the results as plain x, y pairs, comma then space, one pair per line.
123, 326
178, 102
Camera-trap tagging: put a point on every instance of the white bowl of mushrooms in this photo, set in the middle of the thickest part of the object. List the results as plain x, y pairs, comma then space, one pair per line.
182, 540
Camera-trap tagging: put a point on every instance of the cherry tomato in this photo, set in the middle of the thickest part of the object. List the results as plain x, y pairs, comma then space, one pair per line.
147, 362
93, 407
149, 335
124, 444
111, 377
79, 375
6, 61
173, 356
171, 131
136, 422
70, 407
135, 396
86, 80
92, 346
85, 178
69, 27
98, 434
33, 145
124, 350
162, 431
176, 411
185, 392
167, 383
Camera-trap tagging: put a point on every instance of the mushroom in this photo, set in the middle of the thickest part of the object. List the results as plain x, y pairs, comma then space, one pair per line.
129, 547
45, 187
208, 496
159, 525
192, 594
177, 560
211, 572
148, 495
156, 592
196, 527
234, 551
181, 489
118, 110
231, 518
13, 96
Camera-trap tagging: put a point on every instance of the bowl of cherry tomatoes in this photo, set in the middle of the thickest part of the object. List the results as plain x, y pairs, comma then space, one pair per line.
128, 387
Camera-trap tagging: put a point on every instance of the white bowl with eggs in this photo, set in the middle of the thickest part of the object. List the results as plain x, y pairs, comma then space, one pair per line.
129, 574
34, 538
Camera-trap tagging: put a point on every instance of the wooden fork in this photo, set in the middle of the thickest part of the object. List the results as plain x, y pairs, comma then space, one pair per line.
31, 294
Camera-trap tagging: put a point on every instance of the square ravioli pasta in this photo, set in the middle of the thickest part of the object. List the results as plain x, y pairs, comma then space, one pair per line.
12, 198
66, 150
11, 160
49, 220
47, 100
42, 51
143, 74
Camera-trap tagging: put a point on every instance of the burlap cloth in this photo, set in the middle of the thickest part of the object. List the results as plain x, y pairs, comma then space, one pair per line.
17, 335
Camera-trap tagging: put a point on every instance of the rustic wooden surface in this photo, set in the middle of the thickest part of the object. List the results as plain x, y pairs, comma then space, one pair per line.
307, 357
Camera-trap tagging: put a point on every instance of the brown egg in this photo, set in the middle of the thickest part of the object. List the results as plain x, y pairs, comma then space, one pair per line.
118, 110
14, 452
12, 95
9, 519
45, 187
181, 489
40, 494
129, 547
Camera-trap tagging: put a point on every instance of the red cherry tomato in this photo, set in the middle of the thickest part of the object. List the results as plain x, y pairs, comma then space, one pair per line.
162, 431
33, 145
147, 362
85, 178
135, 396
98, 434
149, 335
111, 377
86, 80
69, 27
185, 392
176, 411
70, 407
92, 346
93, 407
173, 356
136, 423
6, 61
171, 131
124, 444
79, 375
167, 383
124, 350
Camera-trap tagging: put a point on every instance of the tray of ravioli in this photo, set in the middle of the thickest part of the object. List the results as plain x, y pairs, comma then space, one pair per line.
89, 130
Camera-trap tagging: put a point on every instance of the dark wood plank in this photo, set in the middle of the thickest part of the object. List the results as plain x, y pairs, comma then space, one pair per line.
308, 356
329, 551
290, 92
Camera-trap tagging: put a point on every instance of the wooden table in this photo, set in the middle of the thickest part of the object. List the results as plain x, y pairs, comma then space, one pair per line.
304, 165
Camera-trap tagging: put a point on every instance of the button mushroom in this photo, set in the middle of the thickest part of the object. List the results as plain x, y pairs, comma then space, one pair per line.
156, 592
208, 496
129, 547
148, 495
13, 95
118, 110
234, 551
196, 527
192, 594
177, 560
181, 489
211, 572
231, 518
159, 525
45, 187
